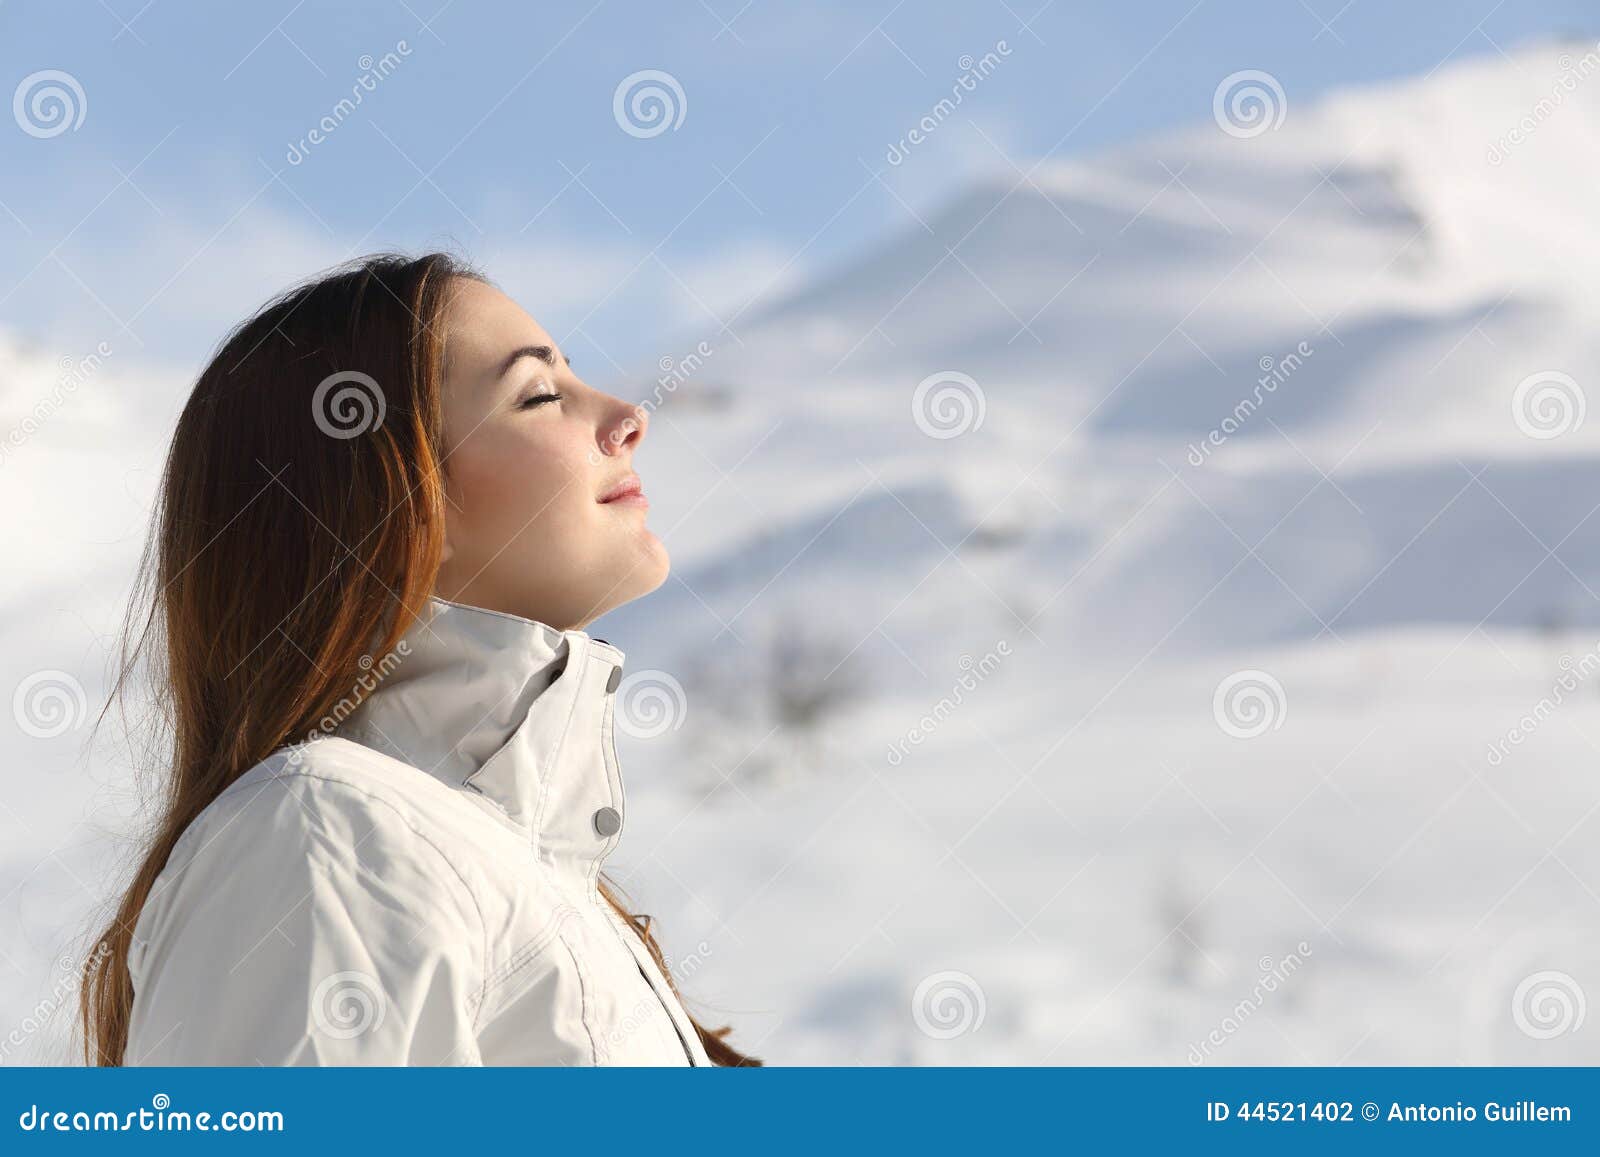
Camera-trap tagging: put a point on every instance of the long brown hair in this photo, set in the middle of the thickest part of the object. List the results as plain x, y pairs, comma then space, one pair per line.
282, 547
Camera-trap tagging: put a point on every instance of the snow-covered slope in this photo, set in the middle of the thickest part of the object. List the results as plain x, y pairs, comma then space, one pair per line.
1209, 332
1229, 404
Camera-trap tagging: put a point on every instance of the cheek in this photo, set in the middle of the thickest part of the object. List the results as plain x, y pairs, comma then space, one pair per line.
515, 488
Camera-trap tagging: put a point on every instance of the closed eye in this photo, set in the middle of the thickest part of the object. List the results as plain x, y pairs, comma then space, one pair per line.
533, 400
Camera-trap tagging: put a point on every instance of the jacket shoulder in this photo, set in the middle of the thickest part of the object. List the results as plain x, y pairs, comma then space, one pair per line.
331, 809
346, 767
310, 887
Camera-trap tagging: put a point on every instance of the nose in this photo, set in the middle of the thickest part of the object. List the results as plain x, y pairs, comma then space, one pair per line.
625, 427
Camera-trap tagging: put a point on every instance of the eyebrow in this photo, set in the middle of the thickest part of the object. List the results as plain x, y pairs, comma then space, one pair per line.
543, 353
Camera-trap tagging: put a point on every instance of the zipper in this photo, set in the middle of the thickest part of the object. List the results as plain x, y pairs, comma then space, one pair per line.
641, 959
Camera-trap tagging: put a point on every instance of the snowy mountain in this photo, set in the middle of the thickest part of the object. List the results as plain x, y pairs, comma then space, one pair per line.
1238, 329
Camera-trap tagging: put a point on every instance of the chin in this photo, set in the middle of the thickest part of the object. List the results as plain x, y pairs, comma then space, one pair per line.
640, 576
654, 568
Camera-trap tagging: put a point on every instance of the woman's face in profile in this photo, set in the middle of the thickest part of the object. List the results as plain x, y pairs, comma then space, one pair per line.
540, 521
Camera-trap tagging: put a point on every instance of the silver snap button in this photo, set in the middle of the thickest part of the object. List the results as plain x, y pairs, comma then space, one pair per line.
616, 678
608, 821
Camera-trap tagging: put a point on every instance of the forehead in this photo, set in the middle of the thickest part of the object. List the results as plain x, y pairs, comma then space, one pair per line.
482, 326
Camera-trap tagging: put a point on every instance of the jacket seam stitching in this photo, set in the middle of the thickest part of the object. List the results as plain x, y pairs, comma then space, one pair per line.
561, 743
585, 1012
531, 952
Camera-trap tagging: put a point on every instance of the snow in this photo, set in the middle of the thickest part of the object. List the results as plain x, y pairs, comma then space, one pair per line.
1075, 863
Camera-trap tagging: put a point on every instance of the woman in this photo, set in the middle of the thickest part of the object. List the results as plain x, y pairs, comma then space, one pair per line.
389, 509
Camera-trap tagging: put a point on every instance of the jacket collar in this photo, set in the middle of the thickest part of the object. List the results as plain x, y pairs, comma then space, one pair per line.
513, 710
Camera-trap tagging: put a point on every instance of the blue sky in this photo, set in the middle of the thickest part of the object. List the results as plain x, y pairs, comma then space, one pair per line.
173, 208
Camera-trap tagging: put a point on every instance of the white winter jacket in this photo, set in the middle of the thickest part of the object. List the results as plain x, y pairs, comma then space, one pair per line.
418, 887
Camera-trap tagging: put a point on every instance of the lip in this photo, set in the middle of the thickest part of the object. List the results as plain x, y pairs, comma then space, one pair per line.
629, 491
